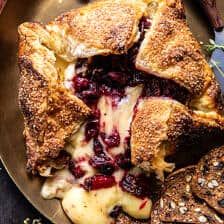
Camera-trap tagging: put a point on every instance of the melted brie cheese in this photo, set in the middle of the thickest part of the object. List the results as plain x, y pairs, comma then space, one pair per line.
93, 207
69, 74
81, 152
58, 185
118, 117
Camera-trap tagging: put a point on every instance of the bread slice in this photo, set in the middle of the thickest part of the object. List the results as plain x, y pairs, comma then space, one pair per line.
125, 219
50, 111
178, 204
208, 181
157, 128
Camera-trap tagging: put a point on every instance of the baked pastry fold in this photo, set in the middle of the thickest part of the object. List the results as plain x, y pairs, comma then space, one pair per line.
157, 129
166, 49
51, 112
170, 51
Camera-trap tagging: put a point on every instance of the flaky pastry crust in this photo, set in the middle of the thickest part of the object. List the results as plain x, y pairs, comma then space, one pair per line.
52, 113
170, 51
100, 28
156, 129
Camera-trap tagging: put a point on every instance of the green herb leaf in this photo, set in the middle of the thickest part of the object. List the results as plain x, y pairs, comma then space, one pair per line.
215, 64
213, 46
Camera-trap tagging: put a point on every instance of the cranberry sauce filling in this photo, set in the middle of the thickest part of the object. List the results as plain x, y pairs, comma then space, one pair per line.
76, 170
99, 181
109, 76
137, 185
112, 140
103, 163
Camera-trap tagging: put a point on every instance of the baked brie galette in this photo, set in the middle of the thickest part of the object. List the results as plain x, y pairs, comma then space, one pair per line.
107, 92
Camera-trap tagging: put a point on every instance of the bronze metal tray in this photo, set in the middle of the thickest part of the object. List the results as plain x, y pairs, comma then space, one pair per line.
12, 149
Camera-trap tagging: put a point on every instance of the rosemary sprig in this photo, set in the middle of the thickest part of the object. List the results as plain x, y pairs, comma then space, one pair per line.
215, 64
212, 46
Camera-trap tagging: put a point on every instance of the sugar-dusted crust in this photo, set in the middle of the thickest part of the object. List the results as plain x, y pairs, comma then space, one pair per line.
169, 50
51, 112
103, 27
158, 126
208, 179
178, 204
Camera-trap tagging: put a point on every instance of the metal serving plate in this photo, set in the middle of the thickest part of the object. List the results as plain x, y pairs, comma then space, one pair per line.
12, 149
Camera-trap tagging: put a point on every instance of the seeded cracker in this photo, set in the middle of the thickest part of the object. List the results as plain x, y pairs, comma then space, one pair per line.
179, 205
208, 182
125, 219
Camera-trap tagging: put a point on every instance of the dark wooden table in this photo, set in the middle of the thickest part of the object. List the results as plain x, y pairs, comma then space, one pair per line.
14, 208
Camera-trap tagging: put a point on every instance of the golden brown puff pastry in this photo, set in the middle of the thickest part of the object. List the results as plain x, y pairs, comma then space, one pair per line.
51, 112
169, 50
158, 125
103, 27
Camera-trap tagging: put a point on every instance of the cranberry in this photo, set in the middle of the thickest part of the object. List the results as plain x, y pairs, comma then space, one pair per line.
99, 181
115, 212
123, 161
91, 92
118, 77
80, 83
138, 78
112, 140
91, 129
103, 163
97, 147
143, 205
95, 114
77, 171
136, 185
160, 87
145, 23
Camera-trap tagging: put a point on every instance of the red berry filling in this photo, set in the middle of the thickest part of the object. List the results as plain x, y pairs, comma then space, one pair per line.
76, 170
109, 76
97, 147
99, 181
102, 163
91, 129
123, 161
136, 185
80, 83
112, 140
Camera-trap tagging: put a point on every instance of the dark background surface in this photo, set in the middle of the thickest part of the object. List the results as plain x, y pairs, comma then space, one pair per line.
14, 208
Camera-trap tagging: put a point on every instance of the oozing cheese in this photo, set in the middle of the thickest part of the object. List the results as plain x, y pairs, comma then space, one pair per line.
81, 151
58, 185
118, 117
69, 75
93, 207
